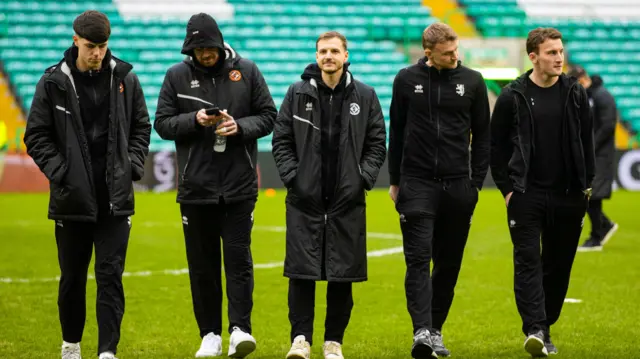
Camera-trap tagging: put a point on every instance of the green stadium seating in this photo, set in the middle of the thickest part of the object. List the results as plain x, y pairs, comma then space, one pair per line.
608, 47
278, 35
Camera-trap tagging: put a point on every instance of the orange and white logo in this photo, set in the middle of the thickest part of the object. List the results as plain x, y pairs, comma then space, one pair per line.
121, 88
235, 75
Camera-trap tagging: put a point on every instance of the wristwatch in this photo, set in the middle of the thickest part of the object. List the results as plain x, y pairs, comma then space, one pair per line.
588, 192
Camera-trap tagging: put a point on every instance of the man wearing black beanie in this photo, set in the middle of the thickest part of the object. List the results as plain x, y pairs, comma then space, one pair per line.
88, 131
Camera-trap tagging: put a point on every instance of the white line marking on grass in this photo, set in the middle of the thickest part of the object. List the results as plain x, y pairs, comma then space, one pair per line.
176, 272
571, 300
152, 224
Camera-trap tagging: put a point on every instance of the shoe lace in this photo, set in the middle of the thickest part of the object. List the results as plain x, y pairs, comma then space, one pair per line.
299, 344
333, 348
422, 334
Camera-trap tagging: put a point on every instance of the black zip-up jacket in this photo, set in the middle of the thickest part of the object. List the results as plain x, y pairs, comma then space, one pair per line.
330, 124
605, 117
432, 118
512, 134
234, 84
56, 140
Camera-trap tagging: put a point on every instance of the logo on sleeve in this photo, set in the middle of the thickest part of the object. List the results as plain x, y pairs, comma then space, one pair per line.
195, 84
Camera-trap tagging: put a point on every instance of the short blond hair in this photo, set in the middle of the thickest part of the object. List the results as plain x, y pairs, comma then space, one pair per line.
437, 33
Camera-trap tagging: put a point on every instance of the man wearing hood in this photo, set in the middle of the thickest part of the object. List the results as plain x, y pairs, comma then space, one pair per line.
218, 185
329, 145
605, 117
437, 105
88, 130
542, 160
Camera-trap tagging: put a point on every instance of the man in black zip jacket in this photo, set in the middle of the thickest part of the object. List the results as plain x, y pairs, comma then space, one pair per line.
218, 185
329, 145
542, 160
88, 130
437, 105
605, 117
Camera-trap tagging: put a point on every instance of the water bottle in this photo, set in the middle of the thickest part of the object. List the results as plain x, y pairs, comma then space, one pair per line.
220, 143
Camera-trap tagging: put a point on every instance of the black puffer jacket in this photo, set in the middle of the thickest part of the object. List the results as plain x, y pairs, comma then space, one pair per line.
333, 237
56, 140
512, 134
234, 84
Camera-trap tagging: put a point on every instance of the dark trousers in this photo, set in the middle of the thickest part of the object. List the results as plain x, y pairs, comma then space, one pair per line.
75, 241
435, 218
203, 227
599, 221
542, 277
302, 297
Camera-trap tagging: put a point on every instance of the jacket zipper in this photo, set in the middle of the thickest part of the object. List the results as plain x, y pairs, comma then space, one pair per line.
186, 165
248, 156
526, 165
113, 99
437, 129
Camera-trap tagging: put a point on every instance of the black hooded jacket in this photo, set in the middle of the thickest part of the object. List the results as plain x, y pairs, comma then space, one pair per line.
605, 117
93, 97
328, 241
433, 115
66, 139
512, 134
330, 123
234, 84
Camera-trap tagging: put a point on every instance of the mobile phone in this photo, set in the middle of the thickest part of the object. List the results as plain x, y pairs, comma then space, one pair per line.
214, 111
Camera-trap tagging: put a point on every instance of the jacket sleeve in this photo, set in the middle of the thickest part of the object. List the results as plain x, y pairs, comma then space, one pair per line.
604, 126
397, 122
283, 141
374, 149
260, 124
169, 123
40, 138
481, 135
140, 132
586, 134
501, 146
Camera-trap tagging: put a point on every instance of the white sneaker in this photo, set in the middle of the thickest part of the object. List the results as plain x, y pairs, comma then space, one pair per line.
211, 346
241, 344
332, 350
107, 355
300, 348
71, 350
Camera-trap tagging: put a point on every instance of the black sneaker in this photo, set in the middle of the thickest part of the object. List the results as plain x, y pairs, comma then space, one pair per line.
438, 344
548, 344
590, 245
422, 347
534, 345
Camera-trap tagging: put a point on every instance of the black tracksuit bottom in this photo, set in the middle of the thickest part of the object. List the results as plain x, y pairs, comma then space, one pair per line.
554, 219
435, 218
302, 295
75, 241
600, 223
203, 227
